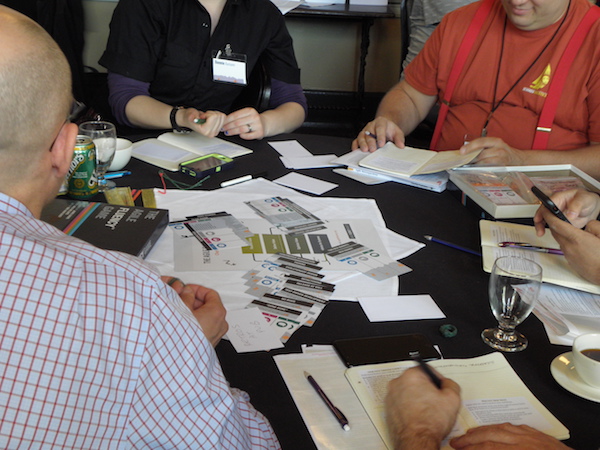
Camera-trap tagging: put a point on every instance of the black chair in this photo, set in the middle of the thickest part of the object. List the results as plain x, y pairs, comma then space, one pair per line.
257, 92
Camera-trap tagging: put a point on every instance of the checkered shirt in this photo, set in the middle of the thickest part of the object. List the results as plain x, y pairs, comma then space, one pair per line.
97, 352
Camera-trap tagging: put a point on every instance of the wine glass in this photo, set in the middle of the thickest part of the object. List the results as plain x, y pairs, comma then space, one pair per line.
104, 136
513, 288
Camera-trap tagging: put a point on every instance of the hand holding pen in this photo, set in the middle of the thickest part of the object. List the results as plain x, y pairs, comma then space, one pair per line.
413, 401
580, 207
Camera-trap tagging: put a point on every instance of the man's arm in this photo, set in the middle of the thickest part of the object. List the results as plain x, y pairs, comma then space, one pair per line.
399, 113
506, 436
495, 152
206, 306
581, 247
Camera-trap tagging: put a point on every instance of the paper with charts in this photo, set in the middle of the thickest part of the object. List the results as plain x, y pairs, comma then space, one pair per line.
289, 292
293, 231
491, 391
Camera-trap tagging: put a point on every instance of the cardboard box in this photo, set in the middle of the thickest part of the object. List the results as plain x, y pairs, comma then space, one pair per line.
516, 211
129, 229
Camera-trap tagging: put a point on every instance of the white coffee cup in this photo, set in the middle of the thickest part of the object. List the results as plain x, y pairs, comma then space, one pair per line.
587, 367
122, 155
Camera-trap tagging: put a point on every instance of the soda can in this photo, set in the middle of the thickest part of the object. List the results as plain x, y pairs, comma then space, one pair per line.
82, 180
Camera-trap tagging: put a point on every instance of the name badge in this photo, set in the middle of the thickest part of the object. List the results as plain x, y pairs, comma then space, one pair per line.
229, 67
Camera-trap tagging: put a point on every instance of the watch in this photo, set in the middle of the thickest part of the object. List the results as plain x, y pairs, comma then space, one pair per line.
177, 128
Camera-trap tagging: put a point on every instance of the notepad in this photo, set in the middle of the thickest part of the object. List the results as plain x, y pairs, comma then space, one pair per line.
555, 268
491, 393
171, 149
410, 161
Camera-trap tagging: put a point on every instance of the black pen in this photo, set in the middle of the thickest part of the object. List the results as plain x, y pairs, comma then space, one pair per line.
341, 418
432, 376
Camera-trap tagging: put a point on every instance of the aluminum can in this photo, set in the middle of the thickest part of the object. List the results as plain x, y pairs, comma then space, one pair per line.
82, 180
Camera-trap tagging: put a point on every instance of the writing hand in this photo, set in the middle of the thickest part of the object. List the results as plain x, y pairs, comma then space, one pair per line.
506, 436
419, 414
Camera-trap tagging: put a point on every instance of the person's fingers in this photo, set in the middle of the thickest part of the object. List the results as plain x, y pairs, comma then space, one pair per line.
593, 227
176, 283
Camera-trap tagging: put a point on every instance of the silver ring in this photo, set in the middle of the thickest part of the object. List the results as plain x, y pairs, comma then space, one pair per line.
249, 128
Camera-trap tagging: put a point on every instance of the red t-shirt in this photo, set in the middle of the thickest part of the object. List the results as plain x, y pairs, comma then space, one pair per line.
577, 121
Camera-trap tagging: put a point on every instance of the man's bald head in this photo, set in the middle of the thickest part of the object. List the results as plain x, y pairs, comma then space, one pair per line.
35, 88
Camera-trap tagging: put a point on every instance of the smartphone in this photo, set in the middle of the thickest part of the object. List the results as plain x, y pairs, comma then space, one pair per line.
549, 204
381, 349
205, 165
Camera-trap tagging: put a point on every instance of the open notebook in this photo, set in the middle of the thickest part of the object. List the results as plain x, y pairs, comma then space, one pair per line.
171, 149
555, 268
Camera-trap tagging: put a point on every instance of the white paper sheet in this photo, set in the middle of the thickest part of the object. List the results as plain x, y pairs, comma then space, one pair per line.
250, 332
327, 368
401, 307
305, 183
560, 308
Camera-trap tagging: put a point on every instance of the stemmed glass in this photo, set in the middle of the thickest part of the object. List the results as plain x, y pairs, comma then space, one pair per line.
513, 288
104, 136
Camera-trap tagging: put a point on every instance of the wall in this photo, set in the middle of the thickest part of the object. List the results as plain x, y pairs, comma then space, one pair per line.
327, 51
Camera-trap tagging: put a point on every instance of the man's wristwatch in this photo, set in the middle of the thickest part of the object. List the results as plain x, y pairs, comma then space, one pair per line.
177, 128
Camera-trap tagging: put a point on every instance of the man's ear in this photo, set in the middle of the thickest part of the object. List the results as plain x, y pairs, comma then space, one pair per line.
61, 152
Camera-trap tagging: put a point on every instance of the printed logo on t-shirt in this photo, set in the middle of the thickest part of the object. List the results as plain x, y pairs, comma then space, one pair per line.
540, 83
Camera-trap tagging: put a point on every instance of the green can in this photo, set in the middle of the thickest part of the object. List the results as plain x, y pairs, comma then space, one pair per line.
82, 180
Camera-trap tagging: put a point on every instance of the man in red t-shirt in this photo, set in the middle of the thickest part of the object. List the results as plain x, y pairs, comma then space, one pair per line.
502, 87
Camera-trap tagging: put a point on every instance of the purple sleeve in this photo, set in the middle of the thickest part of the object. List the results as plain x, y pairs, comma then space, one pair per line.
282, 92
121, 89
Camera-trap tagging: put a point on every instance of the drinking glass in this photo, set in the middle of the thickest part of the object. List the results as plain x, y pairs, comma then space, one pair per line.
513, 288
104, 136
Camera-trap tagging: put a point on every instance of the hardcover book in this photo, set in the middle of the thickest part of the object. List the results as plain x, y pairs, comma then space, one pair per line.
129, 229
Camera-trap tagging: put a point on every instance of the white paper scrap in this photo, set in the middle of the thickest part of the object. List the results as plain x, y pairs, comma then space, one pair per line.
290, 149
250, 332
305, 183
401, 307
308, 162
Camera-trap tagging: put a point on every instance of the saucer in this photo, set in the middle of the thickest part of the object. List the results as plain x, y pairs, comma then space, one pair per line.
564, 373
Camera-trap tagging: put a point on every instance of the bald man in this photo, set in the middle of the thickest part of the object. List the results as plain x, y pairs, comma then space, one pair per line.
96, 349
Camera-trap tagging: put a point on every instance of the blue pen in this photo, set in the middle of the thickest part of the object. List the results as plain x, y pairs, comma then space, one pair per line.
120, 174
451, 245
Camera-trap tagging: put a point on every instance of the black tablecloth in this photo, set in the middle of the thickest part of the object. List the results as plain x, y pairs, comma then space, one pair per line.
453, 278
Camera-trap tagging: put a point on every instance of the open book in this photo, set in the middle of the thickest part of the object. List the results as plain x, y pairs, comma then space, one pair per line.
555, 268
491, 393
171, 149
434, 182
410, 161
